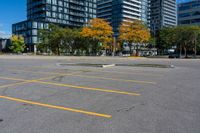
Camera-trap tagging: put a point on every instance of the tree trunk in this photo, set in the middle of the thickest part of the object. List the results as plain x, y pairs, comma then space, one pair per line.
58, 50
180, 54
195, 49
185, 52
130, 49
137, 50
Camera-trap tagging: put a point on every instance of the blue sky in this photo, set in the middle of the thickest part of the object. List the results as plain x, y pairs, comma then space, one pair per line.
180, 1
11, 11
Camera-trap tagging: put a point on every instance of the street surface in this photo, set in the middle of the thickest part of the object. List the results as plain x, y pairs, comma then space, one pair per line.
69, 95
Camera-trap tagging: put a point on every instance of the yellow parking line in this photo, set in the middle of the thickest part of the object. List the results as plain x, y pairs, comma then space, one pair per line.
23, 81
55, 75
104, 71
132, 72
15, 79
89, 88
123, 80
77, 87
56, 107
46, 73
48, 77
14, 84
96, 77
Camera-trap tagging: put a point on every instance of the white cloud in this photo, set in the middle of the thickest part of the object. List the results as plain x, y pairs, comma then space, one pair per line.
3, 34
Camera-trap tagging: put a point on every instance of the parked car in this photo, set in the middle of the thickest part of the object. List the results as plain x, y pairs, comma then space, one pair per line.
174, 55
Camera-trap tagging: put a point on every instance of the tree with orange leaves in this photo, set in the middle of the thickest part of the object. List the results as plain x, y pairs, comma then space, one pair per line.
134, 31
99, 30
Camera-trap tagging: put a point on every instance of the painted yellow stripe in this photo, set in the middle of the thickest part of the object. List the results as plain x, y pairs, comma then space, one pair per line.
48, 77
104, 71
114, 79
15, 79
76, 87
88, 88
15, 84
56, 107
47, 73
96, 77
23, 81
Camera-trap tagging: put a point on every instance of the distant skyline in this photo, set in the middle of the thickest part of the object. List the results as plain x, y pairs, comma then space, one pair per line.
13, 11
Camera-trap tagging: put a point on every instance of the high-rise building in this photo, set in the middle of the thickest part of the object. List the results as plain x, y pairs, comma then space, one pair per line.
69, 13
155, 13
117, 11
4, 44
163, 13
189, 13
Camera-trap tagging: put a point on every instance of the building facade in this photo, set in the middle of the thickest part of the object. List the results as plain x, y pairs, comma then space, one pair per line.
63, 12
155, 13
4, 44
29, 30
117, 11
66, 13
163, 13
189, 13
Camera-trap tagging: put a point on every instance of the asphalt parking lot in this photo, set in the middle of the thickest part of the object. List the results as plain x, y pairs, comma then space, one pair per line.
58, 95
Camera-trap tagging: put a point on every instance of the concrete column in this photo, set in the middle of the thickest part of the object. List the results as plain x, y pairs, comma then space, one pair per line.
35, 49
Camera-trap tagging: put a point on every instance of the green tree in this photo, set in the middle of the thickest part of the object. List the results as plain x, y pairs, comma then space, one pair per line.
152, 42
187, 38
184, 37
61, 40
44, 45
51, 40
167, 38
71, 39
17, 44
194, 35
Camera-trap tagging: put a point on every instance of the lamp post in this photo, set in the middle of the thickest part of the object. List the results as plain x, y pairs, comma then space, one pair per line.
114, 45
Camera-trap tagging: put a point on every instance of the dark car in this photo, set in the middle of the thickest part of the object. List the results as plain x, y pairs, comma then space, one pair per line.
174, 55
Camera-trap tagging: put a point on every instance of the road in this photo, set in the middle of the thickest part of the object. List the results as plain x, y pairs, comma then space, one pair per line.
67, 95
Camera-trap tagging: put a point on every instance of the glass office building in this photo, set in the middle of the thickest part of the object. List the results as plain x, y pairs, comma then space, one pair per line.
66, 13
29, 30
163, 13
189, 13
117, 11
155, 13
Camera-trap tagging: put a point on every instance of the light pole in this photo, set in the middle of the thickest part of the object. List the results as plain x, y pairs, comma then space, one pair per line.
114, 45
